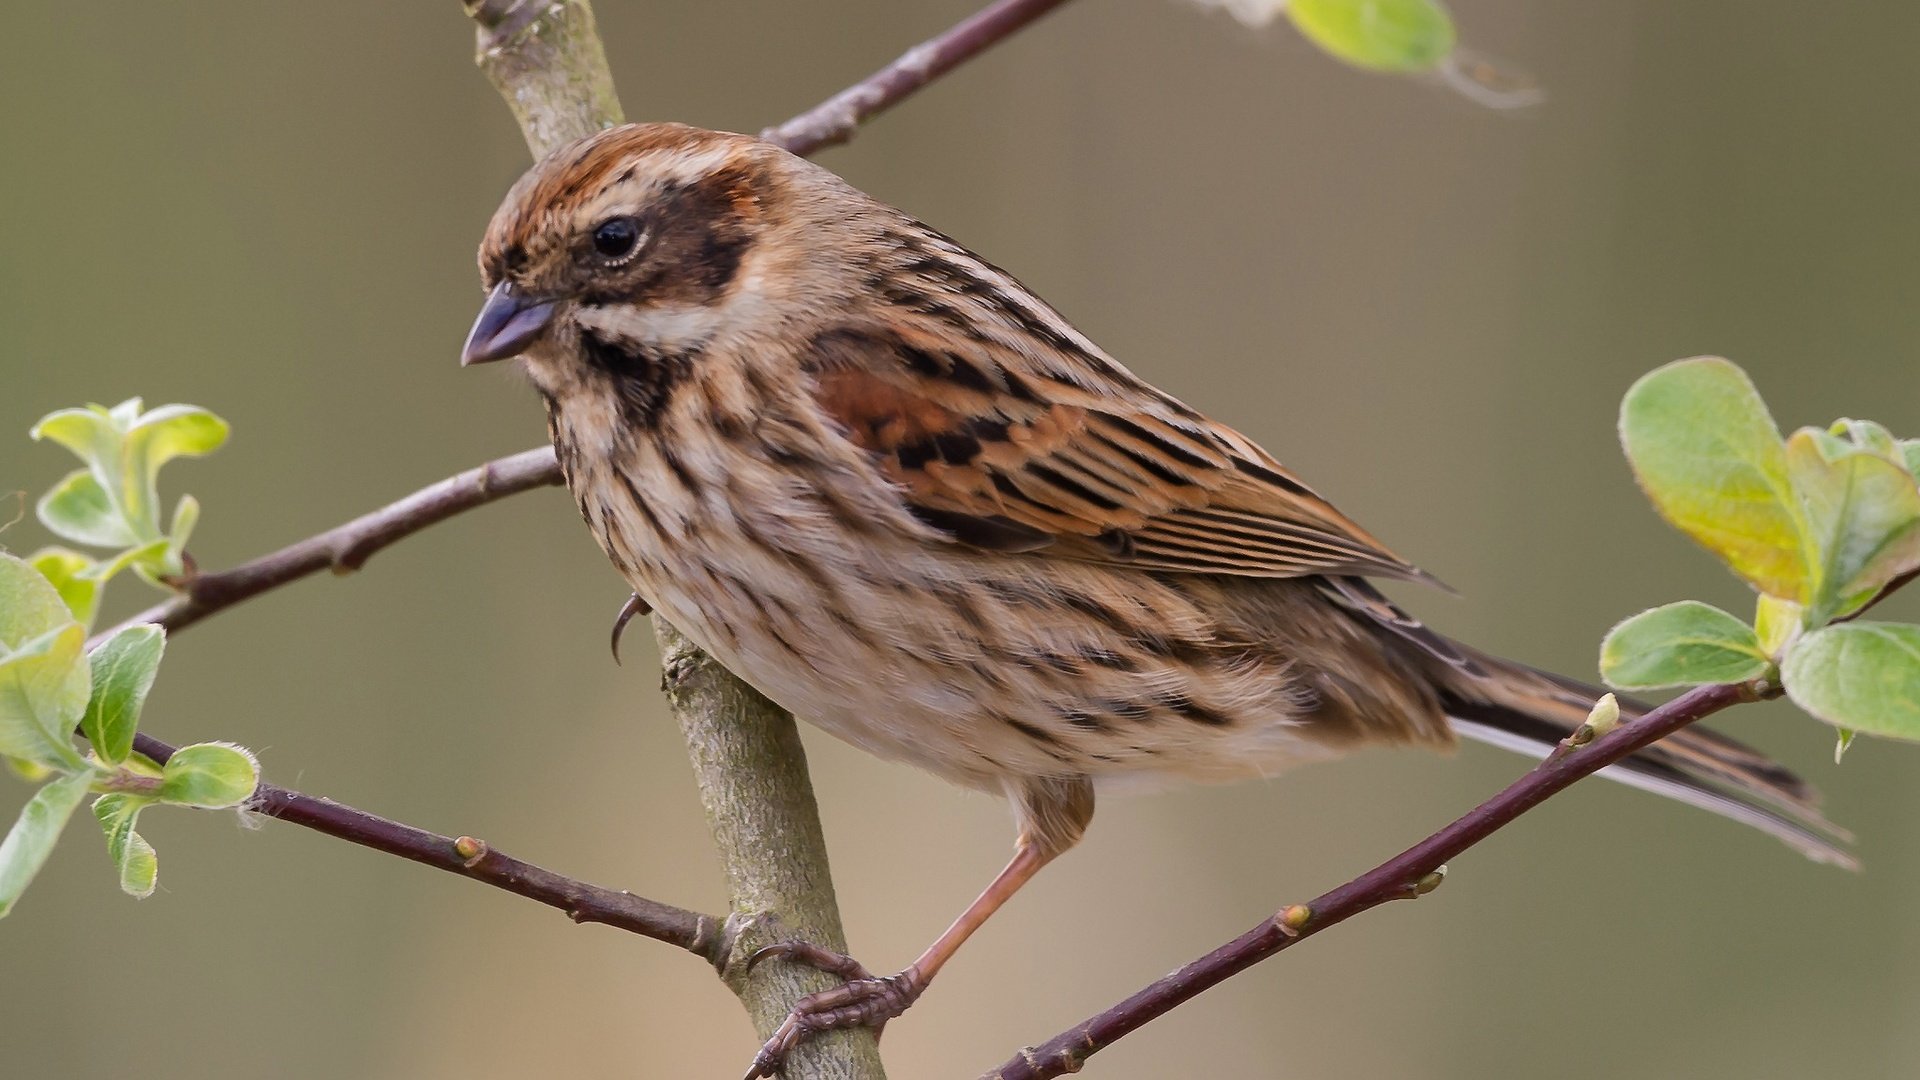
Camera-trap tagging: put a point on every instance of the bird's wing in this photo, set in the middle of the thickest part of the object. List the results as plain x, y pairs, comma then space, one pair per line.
1009, 431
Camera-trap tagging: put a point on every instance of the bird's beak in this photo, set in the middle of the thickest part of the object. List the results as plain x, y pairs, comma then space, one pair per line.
509, 322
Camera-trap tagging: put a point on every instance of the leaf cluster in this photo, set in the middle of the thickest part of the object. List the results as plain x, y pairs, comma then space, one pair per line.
1818, 523
52, 684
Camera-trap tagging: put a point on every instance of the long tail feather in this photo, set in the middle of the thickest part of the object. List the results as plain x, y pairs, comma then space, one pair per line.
1528, 711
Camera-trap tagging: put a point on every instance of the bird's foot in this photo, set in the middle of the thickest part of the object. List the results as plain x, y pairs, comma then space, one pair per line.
634, 606
862, 1001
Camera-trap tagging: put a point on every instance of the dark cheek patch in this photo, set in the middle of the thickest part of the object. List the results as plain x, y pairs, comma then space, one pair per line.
699, 235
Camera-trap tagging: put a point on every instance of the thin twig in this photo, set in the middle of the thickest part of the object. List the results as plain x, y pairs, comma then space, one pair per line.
345, 548
702, 935
1399, 878
834, 121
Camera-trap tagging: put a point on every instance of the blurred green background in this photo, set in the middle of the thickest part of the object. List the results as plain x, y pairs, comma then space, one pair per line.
1429, 308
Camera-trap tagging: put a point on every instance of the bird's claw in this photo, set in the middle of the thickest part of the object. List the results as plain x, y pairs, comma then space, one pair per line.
634, 606
861, 1001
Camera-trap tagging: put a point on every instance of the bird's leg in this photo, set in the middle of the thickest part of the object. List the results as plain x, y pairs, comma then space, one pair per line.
867, 1001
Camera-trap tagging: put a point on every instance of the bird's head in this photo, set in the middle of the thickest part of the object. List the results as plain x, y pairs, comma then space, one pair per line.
646, 241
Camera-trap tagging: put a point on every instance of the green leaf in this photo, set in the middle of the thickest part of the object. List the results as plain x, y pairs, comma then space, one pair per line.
209, 775
31, 771
1910, 455
31, 840
123, 669
1777, 622
91, 433
115, 503
151, 553
1843, 744
1867, 435
156, 438
1707, 453
1682, 644
43, 692
186, 514
1862, 515
79, 510
30, 605
63, 569
135, 859
1859, 675
1381, 35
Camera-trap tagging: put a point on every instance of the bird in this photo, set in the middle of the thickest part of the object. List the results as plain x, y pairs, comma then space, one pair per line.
906, 499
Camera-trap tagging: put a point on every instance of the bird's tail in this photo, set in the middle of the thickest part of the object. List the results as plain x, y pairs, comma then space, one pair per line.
1519, 708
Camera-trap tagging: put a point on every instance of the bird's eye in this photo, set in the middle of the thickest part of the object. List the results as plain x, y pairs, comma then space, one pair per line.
616, 238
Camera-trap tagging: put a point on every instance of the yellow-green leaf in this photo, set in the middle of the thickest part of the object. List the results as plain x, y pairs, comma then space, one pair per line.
30, 605
1382, 35
1707, 453
79, 510
43, 693
64, 570
32, 837
1862, 515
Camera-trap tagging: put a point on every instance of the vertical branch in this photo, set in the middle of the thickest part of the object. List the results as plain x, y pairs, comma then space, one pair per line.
753, 781
545, 58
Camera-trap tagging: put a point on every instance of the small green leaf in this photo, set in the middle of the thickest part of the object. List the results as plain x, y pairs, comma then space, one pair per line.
1910, 454
30, 605
1707, 453
150, 553
135, 859
91, 433
156, 438
1843, 744
63, 569
31, 840
1864, 676
31, 771
209, 775
1777, 622
123, 669
186, 514
1867, 435
1862, 515
1682, 644
43, 693
1381, 35
79, 510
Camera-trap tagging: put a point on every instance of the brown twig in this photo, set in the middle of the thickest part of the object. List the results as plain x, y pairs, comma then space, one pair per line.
834, 121
345, 548
702, 935
1399, 878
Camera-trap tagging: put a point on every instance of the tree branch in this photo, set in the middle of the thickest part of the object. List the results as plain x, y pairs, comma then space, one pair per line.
345, 548
1402, 877
702, 935
752, 773
834, 121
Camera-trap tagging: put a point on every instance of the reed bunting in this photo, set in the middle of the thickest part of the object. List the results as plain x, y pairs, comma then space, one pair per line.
903, 497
